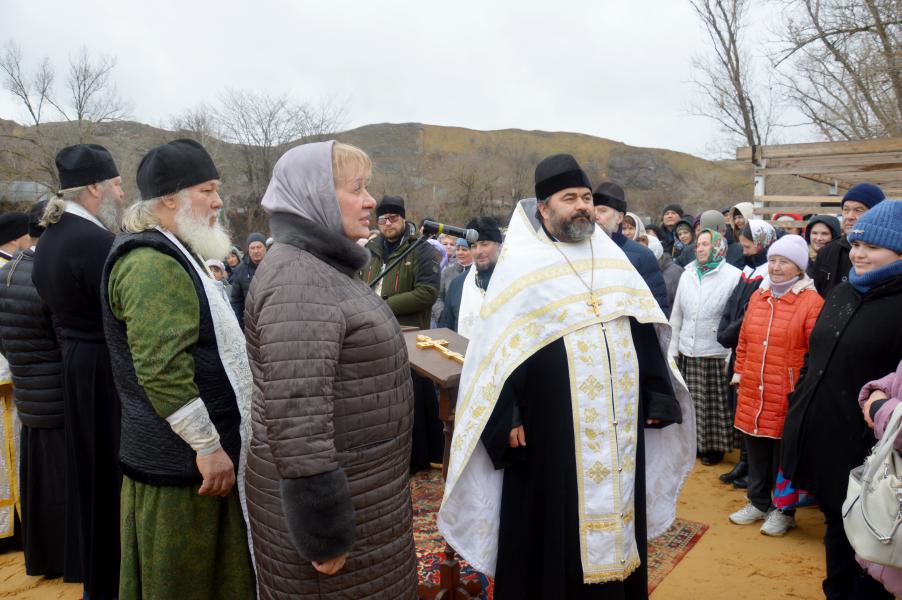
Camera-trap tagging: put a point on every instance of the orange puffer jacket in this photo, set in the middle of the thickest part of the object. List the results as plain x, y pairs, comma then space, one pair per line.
773, 342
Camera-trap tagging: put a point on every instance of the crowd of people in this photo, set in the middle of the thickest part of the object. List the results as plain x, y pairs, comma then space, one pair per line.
199, 420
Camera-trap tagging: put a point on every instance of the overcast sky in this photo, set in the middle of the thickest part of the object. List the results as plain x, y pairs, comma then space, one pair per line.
618, 69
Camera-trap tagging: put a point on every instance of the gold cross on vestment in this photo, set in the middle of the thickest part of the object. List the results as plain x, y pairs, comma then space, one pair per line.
594, 303
424, 342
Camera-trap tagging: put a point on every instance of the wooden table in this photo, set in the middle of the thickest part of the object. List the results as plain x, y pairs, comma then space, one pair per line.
445, 373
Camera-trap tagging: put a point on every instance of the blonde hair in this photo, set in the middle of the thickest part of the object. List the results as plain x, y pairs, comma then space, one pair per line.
140, 216
56, 205
348, 162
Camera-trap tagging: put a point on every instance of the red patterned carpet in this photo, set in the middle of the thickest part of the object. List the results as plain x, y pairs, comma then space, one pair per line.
664, 552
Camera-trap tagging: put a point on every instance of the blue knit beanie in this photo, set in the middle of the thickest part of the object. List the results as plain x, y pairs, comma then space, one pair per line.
881, 226
867, 193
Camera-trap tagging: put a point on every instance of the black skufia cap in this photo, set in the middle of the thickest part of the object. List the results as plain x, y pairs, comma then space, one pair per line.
13, 225
610, 194
488, 228
174, 166
391, 205
84, 164
558, 172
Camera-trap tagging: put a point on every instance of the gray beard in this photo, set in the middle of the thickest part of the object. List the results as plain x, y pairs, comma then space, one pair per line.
207, 241
109, 214
572, 232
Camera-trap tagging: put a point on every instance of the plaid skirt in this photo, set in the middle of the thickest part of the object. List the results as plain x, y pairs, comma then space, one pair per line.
708, 387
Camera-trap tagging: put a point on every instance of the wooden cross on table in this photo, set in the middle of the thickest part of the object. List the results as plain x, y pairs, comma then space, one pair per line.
594, 303
425, 342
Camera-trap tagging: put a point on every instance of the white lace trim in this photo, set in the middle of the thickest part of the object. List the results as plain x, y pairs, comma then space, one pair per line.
192, 423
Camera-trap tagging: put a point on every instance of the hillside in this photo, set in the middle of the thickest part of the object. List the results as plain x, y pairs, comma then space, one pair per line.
447, 173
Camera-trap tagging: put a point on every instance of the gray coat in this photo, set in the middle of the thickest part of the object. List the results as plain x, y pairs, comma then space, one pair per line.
332, 417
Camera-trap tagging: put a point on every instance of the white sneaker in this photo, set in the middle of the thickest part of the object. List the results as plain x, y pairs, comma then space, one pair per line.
747, 515
777, 524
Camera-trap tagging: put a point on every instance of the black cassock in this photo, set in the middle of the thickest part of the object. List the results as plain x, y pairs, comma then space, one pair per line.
67, 274
538, 538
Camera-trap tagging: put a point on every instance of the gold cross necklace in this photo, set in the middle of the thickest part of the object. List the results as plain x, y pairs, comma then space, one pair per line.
592, 302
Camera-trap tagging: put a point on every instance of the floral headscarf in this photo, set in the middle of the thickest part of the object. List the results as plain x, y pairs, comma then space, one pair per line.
716, 254
763, 234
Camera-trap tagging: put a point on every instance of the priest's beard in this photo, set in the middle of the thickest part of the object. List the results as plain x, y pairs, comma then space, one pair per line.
109, 212
578, 227
206, 240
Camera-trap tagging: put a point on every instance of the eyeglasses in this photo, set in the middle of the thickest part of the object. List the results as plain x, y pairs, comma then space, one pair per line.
386, 219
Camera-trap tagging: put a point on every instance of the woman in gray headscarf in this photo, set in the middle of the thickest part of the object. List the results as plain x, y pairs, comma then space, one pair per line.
327, 486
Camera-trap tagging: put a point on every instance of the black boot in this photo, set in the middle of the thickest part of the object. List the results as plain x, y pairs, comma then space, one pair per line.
712, 458
741, 483
740, 470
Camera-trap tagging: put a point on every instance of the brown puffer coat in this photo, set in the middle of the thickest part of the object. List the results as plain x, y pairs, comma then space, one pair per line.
332, 399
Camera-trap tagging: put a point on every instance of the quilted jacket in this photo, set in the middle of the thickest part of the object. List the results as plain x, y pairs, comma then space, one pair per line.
773, 341
332, 400
697, 308
29, 343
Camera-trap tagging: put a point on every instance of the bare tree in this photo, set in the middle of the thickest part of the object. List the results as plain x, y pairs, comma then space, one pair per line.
263, 126
90, 99
725, 75
842, 64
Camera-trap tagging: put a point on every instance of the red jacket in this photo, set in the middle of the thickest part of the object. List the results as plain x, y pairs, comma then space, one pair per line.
773, 342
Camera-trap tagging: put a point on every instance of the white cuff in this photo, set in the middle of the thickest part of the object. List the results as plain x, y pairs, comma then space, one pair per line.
192, 423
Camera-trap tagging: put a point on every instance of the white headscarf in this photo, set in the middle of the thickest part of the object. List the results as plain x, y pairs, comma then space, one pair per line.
654, 244
302, 185
640, 226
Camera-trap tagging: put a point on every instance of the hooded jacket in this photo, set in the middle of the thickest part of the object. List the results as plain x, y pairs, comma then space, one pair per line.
332, 407
832, 265
773, 342
835, 228
853, 342
697, 309
679, 248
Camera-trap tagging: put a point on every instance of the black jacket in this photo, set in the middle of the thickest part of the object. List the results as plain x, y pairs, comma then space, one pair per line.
241, 278
29, 343
68, 267
856, 339
453, 297
734, 311
832, 265
645, 263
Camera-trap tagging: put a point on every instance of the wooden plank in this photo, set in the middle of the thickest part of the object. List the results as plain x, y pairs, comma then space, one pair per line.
822, 148
851, 160
839, 171
802, 210
800, 199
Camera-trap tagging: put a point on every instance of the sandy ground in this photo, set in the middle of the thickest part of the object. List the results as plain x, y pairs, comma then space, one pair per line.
728, 562
738, 562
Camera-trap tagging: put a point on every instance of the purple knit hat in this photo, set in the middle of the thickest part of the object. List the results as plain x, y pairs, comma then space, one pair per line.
792, 247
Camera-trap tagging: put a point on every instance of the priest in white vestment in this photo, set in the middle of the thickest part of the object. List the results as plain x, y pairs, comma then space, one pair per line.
574, 432
464, 298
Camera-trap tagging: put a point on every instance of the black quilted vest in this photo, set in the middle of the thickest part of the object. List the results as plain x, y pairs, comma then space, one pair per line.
150, 452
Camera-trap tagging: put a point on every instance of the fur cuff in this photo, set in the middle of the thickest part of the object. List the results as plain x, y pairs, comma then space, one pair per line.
320, 514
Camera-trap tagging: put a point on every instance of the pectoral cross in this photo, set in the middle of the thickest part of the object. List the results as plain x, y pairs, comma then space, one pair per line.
424, 342
593, 302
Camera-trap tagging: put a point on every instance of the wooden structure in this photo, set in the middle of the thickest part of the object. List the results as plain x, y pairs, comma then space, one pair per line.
431, 354
838, 165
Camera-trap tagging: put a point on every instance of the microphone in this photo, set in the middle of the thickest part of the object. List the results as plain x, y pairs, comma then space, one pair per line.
471, 235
